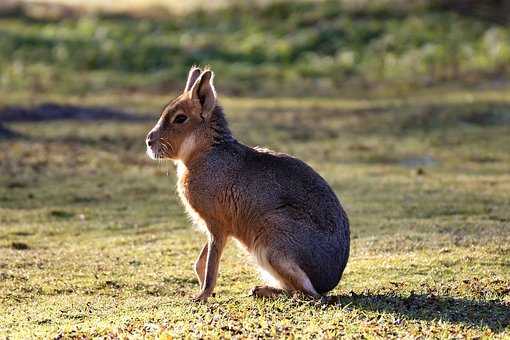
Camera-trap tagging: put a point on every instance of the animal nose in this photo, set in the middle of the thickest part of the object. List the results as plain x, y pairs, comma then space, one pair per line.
151, 138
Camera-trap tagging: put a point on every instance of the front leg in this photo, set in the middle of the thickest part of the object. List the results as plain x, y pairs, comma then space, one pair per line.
214, 249
200, 265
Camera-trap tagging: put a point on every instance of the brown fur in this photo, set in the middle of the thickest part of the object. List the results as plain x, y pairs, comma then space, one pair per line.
276, 206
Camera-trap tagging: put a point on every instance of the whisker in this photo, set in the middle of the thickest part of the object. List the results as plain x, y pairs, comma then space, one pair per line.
164, 149
164, 142
166, 146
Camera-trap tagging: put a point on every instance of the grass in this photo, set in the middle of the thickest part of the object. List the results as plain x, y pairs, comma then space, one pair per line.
93, 241
385, 47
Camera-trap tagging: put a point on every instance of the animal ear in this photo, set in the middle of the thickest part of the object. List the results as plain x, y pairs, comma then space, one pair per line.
203, 90
193, 74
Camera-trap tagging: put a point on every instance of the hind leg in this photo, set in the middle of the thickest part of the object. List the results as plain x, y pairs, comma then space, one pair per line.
267, 291
289, 275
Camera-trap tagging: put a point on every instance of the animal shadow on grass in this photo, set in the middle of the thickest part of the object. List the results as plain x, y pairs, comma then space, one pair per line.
492, 314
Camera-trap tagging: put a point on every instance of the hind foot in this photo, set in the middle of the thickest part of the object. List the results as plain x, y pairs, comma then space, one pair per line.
267, 291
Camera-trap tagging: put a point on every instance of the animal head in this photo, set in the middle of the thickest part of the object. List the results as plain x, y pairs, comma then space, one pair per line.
183, 123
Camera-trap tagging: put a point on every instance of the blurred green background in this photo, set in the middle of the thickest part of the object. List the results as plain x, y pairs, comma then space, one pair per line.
260, 48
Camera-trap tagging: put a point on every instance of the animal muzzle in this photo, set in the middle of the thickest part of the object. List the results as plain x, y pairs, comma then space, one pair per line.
152, 143
152, 138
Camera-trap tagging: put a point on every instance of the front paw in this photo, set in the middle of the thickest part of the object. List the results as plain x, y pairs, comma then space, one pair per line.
201, 297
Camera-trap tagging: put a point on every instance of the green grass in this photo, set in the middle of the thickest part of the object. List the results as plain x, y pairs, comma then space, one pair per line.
388, 46
93, 241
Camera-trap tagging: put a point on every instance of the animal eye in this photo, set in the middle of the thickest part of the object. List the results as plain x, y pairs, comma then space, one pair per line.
179, 119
